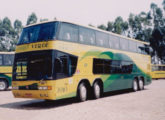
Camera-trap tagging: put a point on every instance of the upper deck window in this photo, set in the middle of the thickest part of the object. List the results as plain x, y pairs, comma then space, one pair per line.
41, 32
114, 42
86, 36
68, 32
102, 39
8, 59
0, 59
124, 44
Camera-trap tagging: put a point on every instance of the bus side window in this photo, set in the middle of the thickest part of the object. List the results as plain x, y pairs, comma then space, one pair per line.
132, 46
111, 41
102, 39
64, 65
116, 42
124, 44
58, 65
8, 59
68, 32
86, 36
1, 60
72, 64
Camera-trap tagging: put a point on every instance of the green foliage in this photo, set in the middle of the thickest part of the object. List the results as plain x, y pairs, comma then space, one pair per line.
32, 19
163, 3
146, 26
103, 27
120, 26
110, 26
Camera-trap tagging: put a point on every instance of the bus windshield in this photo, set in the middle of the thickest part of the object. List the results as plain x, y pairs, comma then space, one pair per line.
41, 32
36, 66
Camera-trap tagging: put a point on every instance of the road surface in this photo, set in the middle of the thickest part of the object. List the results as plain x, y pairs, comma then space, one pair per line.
148, 104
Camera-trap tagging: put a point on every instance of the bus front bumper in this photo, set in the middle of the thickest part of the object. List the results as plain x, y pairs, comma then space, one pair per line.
37, 94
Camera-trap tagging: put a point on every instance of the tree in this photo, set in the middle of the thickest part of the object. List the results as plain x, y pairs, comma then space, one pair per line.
120, 26
18, 26
32, 19
157, 16
157, 42
163, 3
91, 25
103, 27
110, 26
135, 26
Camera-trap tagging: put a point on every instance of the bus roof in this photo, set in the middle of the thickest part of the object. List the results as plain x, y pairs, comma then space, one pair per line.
7, 52
121, 36
158, 64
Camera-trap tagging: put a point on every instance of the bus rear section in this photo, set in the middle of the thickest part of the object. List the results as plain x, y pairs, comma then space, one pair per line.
6, 63
158, 71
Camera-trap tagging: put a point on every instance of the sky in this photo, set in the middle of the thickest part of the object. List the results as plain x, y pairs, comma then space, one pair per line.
84, 12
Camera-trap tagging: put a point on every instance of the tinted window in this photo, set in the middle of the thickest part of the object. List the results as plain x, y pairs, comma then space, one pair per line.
102, 39
8, 59
114, 42
86, 36
126, 66
37, 33
33, 66
142, 48
68, 32
132, 46
1, 60
98, 66
124, 44
105, 66
116, 67
64, 65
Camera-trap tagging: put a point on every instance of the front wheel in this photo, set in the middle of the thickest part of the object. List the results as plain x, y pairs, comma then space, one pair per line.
82, 92
3, 85
135, 85
96, 90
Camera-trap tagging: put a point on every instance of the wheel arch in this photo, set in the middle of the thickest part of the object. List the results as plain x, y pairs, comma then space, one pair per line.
100, 81
87, 83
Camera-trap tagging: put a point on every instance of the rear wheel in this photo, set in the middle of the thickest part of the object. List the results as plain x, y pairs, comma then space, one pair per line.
141, 84
135, 85
96, 90
3, 85
82, 92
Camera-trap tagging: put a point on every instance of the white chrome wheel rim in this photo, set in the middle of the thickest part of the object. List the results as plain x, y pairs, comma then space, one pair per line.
141, 84
135, 85
2, 85
97, 90
83, 92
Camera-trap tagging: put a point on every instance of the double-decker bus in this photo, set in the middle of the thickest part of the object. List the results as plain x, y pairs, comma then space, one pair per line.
59, 59
158, 71
6, 63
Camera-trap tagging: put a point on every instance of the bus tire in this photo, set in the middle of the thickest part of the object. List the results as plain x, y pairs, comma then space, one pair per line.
96, 90
82, 92
141, 84
3, 85
135, 85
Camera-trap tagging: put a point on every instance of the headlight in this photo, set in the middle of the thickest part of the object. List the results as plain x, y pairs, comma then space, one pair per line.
45, 87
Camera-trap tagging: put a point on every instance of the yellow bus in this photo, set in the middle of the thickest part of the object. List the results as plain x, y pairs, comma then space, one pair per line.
59, 59
6, 63
158, 71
